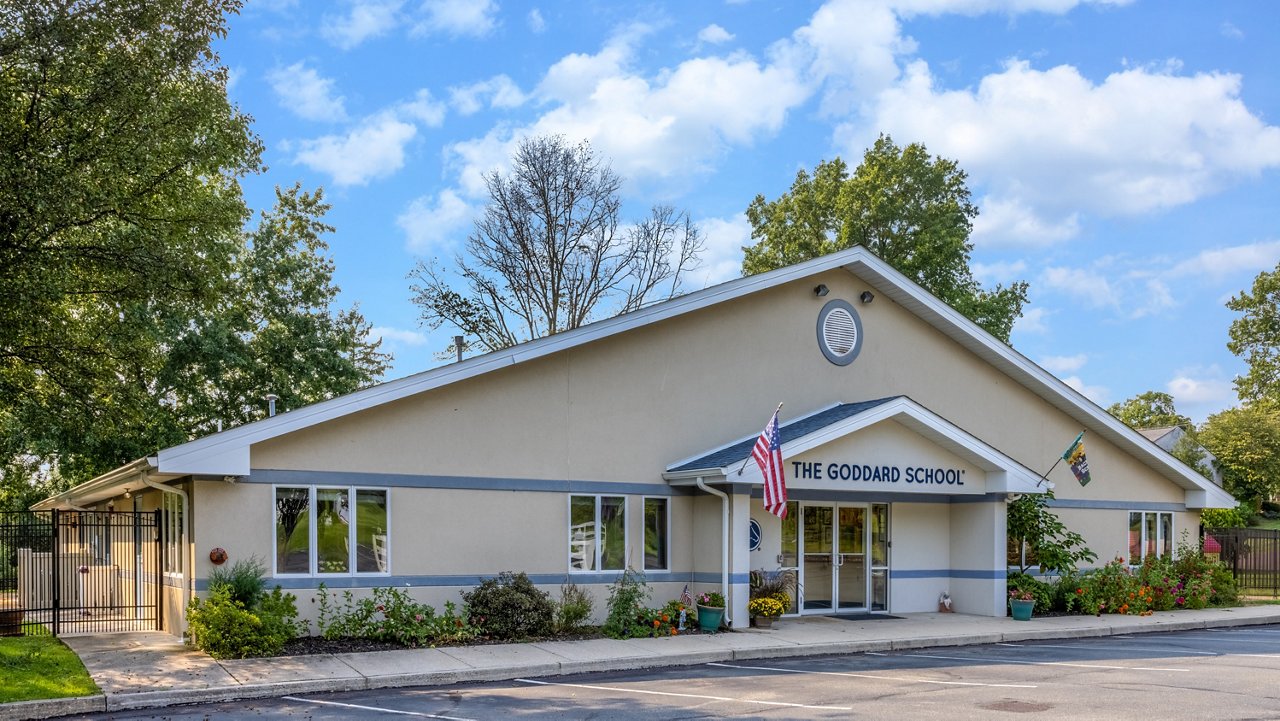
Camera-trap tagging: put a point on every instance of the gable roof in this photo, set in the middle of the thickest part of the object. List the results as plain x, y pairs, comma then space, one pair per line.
1155, 434
227, 453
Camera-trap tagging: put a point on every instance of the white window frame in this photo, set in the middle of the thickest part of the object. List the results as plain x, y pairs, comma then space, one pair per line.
599, 534
666, 529
313, 548
1142, 537
175, 557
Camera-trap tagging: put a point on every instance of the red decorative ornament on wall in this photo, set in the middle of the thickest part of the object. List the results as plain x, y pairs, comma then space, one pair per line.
218, 556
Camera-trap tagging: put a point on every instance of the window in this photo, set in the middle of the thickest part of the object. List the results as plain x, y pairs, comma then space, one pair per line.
317, 531
171, 503
656, 535
597, 533
1150, 533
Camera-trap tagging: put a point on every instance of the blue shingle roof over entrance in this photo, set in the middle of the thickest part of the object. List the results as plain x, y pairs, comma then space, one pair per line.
798, 428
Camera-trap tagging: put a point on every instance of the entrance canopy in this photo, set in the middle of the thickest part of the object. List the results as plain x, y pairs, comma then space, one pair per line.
886, 445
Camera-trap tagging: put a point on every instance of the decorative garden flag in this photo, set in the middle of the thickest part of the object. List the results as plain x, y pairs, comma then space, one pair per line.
768, 455
1074, 455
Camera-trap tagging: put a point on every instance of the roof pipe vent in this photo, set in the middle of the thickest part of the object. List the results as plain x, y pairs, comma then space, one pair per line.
271, 404
457, 345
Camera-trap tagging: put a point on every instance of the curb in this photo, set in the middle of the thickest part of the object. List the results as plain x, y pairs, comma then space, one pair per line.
25, 710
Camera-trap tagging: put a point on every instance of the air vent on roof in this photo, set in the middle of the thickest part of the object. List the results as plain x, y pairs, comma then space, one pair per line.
839, 332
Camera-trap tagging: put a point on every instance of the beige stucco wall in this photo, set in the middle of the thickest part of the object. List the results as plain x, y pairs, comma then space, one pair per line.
623, 408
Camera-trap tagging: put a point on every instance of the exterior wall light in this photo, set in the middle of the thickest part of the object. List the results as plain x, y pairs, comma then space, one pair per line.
821, 290
866, 296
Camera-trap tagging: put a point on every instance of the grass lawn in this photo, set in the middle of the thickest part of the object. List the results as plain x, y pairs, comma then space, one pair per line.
1271, 523
40, 667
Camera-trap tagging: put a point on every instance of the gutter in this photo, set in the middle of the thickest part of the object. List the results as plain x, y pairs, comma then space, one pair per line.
104, 481
724, 546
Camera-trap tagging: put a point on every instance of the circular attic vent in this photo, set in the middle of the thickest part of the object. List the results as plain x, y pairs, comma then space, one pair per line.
839, 332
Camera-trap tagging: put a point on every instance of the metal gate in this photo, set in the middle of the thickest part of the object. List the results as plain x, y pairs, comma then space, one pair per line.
1252, 554
70, 572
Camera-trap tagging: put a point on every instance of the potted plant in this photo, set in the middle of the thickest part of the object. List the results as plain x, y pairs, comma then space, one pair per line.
11, 614
764, 610
710, 611
1021, 602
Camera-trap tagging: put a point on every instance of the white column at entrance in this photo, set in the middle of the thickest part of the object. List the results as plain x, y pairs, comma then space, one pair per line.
739, 555
978, 545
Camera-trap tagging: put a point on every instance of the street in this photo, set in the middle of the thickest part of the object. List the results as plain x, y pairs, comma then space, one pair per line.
1207, 674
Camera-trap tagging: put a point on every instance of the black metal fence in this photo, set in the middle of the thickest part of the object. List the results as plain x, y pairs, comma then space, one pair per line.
1252, 554
80, 572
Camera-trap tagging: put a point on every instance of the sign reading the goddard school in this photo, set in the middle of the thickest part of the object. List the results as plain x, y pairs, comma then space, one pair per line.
897, 478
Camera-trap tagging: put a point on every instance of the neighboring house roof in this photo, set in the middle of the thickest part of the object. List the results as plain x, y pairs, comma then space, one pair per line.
1155, 434
227, 453
1168, 438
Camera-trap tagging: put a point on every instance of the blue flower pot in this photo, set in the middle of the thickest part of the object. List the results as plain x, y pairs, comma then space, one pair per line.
709, 618
1021, 609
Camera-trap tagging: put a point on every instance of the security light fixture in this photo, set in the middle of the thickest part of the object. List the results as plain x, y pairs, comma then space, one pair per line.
821, 290
866, 296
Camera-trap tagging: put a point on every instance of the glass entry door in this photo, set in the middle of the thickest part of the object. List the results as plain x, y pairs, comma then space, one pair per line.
846, 560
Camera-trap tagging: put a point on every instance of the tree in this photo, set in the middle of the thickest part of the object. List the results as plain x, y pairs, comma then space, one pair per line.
1151, 409
547, 254
1246, 441
1256, 337
1046, 538
910, 209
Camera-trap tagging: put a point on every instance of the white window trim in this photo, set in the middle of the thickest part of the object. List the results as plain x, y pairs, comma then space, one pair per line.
666, 529
1142, 538
174, 547
599, 535
313, 550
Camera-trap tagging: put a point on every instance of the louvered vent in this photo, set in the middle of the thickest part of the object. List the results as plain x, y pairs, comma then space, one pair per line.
839, 331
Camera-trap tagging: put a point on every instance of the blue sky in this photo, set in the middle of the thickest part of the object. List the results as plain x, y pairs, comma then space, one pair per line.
1125, 155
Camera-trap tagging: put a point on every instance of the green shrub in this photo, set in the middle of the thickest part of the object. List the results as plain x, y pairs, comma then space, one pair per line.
626, 606
574, 609
510, 607
1042, 592
1159, 577
1237, 517
390, 614
246, 579
223, 628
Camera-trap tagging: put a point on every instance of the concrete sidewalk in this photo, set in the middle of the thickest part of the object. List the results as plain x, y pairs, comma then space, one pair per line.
151, 670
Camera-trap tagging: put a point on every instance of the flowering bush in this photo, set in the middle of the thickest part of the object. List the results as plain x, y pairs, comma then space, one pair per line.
711, 599
1019, 594
390, 614
770, 606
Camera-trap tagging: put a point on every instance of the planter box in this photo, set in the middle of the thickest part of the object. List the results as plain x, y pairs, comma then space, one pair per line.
709, 618
11, 621
1021, 609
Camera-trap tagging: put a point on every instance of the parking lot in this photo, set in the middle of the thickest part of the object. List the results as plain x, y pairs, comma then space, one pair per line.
1208, 674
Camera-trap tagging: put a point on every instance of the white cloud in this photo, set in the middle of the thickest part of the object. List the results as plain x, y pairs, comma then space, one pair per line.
1098, 394
499, 91
373, 149
1010, 222
1087, 286
423, 108
1228, 30
1031, 321
397, 336
1059, 364
1221, 262
365, 19
305, 92
714, 35
722, 255
434, 225
471, 18
1051, 143
536, 22
1200, 392
999, 272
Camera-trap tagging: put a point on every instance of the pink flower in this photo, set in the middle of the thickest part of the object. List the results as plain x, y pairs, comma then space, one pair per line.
417, 617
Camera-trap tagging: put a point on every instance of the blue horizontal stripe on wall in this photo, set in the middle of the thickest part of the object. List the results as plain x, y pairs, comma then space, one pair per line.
1116, 505
542, 579
980, 574
813, 494
469, 483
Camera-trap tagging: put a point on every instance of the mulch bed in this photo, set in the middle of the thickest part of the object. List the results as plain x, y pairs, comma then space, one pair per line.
312, 645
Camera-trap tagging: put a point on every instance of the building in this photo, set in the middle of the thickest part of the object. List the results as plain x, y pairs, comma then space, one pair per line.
906, 428
1168, 437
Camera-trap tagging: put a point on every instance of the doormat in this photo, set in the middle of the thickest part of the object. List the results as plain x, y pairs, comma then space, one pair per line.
863, 616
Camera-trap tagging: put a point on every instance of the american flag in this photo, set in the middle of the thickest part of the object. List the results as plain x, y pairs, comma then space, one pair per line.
768, 455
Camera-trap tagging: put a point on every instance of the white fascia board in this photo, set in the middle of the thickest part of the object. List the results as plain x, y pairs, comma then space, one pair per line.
103, 486
193, 456
1211, 498
218, 461
699, 472
1017, 366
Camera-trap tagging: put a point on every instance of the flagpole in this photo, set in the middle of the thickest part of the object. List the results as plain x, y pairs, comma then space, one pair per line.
1044, 477
744, 461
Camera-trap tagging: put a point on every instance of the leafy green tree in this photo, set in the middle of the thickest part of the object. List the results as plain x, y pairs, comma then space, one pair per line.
547, 254
1151, 409
1246, 441
910, 209
1255, 336
1055, 548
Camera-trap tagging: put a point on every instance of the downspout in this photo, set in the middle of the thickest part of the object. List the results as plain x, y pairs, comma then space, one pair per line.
186, 536
724, 546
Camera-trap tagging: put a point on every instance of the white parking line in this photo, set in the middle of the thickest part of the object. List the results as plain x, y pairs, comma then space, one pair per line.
1090, 647
1240, 630
1038, 663
1216, 637
684, 695
374, 708
874, 677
